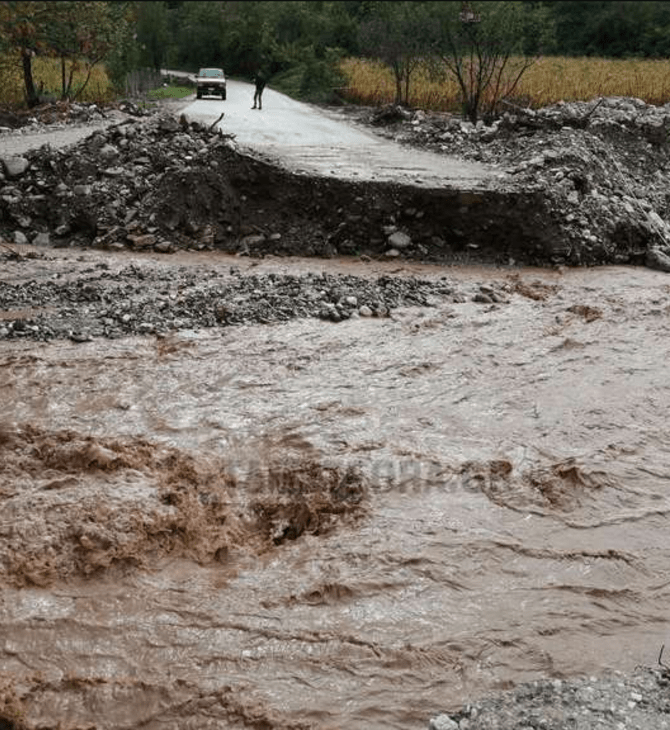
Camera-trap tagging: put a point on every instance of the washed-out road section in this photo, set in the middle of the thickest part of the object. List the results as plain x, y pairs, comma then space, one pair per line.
307, 139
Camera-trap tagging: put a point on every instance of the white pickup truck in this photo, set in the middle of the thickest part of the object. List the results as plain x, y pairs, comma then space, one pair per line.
211, 81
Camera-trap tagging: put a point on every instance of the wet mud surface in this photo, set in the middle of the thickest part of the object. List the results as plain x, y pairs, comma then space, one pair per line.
317, 520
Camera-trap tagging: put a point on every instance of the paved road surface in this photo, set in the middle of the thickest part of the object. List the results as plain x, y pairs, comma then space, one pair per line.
307, 138
301, 137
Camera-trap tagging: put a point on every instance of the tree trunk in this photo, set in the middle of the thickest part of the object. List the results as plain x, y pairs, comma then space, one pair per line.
62, 78
83, 86
31, 94
398, 86
68, 88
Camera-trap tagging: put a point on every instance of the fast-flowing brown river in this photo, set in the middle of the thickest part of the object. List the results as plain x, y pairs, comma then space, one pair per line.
509, 521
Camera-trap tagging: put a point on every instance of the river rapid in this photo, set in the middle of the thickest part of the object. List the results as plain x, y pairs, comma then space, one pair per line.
507, 478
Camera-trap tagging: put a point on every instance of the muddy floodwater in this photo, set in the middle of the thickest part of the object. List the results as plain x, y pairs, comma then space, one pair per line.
379, 518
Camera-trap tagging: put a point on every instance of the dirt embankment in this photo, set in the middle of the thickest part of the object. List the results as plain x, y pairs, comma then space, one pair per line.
585, 184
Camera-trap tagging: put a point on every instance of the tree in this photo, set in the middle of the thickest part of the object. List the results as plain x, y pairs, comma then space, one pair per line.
199, 27
152, 33
22, 27
480, 45
76, 32
395, 34
79, 34
611, 28
124, 56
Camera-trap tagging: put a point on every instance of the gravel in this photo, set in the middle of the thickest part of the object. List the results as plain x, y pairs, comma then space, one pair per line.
616, 701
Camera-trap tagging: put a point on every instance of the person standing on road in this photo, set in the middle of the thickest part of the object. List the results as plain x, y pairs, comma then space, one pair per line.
259, 81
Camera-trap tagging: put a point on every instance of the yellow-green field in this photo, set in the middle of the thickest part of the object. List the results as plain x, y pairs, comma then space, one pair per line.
549, 80
47, 78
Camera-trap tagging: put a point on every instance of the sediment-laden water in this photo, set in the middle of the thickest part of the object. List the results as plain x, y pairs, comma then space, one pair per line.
337, 525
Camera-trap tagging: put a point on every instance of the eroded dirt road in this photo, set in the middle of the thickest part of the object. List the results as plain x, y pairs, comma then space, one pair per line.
331, 525
305, 138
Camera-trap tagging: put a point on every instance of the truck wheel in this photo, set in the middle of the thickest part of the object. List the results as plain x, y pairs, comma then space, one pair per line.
223, 96
198, 94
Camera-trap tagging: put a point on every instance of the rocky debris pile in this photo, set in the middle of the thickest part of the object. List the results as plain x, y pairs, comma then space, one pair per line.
603, 166
127, 184
638, 700
146, 299
54, 115
583, 185
161, 184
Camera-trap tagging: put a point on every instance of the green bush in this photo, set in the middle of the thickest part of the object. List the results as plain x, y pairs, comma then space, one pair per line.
315, 80
170, 92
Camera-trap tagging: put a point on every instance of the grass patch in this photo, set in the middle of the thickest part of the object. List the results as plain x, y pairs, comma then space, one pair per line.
170, 92
548, 81
47, 78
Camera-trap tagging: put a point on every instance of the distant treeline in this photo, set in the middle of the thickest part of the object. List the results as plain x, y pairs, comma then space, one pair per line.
301, 42
283, 32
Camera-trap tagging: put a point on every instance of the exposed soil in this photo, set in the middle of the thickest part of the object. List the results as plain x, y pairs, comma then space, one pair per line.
584, 184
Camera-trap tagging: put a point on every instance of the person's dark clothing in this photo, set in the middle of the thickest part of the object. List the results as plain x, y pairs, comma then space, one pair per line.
259, 81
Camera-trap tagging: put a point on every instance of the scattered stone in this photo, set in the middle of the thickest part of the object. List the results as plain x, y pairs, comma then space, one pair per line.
15, 166
252, 240
613, 701
108, 152
390, 114
168, 123
442, 722
143, 241
657, 259
20, 238
80, 337
42, 239
399, 240
101, 302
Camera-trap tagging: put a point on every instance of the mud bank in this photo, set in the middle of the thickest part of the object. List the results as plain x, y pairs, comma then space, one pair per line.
161, 184
45, 297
